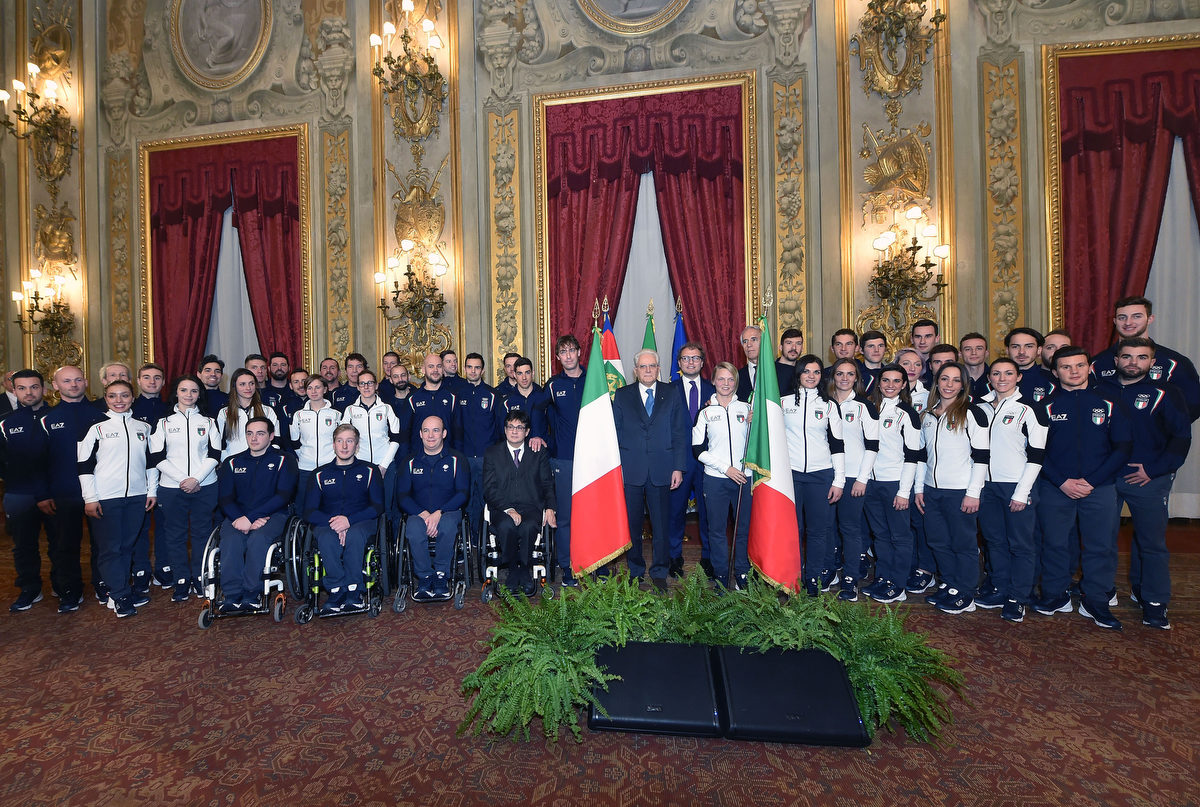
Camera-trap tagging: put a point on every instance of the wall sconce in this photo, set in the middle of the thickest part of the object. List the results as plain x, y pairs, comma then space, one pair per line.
412, 83
902, 284
44, 315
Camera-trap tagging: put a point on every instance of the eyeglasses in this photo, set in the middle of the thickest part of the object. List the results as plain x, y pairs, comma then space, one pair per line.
366, 383
516, 427
691, 358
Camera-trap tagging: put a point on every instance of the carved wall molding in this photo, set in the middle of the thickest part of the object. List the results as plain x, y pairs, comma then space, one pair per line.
504, 233
118, 178
787, 20
1038, 19
146, 79
1002, 85
791, 208
546, 43
335, 151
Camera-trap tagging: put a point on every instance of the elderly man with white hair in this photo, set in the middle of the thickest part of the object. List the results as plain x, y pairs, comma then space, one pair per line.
654, 435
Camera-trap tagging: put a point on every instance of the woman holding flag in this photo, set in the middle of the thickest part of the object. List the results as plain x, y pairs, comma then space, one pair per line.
721, 428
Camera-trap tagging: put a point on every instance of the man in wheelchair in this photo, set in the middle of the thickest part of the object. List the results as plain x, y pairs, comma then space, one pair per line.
431, 490
518, 488
343, 503
255, 488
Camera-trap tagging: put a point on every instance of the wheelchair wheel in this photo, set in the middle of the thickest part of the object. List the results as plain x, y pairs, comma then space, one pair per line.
206, 617
304, 614
400, 603
488, 593
547, 591
294, 561
277, 607
210, 565
460, 594
374, 607
383, 551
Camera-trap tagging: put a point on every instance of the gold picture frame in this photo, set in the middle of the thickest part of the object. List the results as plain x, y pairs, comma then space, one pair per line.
746, 81
604, 14
145, 149
1052, 56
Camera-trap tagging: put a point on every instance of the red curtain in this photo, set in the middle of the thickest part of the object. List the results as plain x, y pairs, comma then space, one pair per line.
1120, 115
267, 211
190, 189
188, 197
596, 154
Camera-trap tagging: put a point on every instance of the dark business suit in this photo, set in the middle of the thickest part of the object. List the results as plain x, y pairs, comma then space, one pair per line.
652, 448
527, 488
693, 474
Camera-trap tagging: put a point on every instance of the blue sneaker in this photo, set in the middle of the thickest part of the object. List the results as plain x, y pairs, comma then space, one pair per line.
69, 603
441, 586
1099, 613
140, 597
182, 591
991, 599
1049, 606
848, 592
1154, 615
1013, 611
424, 592
892, 593
26, 600
956, 602
935, 599
919, 582
123, 607
878, 584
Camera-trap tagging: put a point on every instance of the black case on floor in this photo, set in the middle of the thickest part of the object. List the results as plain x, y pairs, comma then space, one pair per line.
665, 689
787, 696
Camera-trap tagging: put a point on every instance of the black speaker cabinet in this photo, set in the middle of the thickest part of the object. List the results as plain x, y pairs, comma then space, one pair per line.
787, 696
664, 689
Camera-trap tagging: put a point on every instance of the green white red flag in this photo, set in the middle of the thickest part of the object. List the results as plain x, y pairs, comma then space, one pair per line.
774, 536
599, 528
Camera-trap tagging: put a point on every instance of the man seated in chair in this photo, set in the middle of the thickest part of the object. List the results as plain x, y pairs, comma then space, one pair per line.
255, 488
518, 487
431, 490
343, 504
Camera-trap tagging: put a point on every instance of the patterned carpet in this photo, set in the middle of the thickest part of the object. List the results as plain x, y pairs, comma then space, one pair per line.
151, 710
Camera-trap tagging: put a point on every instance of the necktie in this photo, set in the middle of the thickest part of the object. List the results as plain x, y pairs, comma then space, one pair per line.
693, 400
650, 401
517, 458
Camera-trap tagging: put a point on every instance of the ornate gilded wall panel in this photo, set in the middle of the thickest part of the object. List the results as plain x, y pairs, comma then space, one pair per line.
504, 234
120, 267
791, 210
335, 148
1002, 78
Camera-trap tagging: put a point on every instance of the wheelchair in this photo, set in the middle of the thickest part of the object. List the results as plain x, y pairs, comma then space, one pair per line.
463, 567
304, 571
274, 600
542, 566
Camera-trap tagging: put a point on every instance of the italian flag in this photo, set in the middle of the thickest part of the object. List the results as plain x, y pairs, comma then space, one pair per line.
599, 528
774, 535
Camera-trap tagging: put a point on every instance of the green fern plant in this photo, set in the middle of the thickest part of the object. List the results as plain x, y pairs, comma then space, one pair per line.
541, 660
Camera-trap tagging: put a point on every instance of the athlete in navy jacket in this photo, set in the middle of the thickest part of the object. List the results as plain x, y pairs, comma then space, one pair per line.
1087, 445
24, 457
343, 502
1158, 417
256, 487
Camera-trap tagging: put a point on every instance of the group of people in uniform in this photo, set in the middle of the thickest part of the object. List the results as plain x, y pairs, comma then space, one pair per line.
902, 456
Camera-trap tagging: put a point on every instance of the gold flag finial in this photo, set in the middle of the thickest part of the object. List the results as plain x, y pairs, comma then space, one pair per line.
650, 308
596, 312
678, 305
604, 306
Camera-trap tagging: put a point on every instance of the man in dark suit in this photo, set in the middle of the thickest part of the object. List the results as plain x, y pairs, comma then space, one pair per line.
8, 401
518, 487
655, 441
748, 373
695, 393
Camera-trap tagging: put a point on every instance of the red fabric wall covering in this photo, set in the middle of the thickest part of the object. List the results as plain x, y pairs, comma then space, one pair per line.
596, 154
1120, 116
